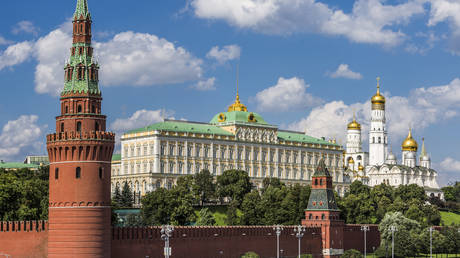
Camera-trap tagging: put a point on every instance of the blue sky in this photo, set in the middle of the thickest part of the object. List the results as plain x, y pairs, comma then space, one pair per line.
304, 65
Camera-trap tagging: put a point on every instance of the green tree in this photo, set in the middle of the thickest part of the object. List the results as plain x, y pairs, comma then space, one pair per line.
271, 200
452, 240
117, 195
127, 199
156, 207
251, 209
232, 214
233, 184
351, 253
409, 192
406, 236
250, 255
204, 186
205, 218
271, 181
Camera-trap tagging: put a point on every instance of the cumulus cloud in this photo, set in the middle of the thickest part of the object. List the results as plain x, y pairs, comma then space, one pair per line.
370, 21
287, 94
205, 85
4, 41
344, 71
422, 108
224, 54
25, 27
447, 11
15, 54
129, 58
21, 137
140, 118
450, 164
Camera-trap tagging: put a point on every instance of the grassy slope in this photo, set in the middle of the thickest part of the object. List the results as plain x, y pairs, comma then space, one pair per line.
449, 217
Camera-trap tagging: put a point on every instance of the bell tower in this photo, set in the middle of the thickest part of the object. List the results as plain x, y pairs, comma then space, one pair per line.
80, 154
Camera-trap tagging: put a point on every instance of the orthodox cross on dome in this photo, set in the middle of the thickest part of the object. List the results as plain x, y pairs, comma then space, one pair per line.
378, 84
237, 106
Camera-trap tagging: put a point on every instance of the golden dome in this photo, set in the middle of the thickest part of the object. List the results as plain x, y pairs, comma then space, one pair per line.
351, 161
360, 168
409, 144
354, 125
237, 106
378, 100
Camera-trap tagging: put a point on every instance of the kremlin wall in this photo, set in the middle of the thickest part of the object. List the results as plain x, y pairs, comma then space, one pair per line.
79, 225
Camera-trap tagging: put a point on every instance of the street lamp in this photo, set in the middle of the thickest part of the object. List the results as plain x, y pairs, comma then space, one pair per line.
166, 232
299, 234
365, 229
278, 230
393, 229
431, 241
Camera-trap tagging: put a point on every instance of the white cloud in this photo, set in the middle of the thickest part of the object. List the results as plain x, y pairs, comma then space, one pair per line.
21, 137
226, 53
287, 94
422, 108
344, 71
450, 164
368, 22
205, 85
447, 11
129, 58
4, 41
15, 54
26, 27
140, 118
142, 59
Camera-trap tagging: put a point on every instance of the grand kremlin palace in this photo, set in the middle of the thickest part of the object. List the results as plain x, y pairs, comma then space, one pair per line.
156, 155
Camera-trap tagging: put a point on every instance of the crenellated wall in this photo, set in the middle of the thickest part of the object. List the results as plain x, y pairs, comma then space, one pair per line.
353, 237
24, 239
212, 242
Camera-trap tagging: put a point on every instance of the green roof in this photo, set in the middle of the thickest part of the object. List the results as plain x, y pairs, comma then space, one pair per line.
322, 199
16, 165
301, 137
240, 117
81, 9
116, 157
183, 127
321, 169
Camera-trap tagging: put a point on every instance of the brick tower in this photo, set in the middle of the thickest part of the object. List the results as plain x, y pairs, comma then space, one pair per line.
322, 211
80, 153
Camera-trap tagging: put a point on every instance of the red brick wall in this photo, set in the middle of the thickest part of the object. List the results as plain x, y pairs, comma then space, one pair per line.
212, 242
24, 239
353, 238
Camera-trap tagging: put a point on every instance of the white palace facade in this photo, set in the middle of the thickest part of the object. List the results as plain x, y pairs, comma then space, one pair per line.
380, 166
156, 155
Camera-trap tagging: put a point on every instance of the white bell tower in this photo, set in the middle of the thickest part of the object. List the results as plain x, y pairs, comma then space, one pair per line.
378, 141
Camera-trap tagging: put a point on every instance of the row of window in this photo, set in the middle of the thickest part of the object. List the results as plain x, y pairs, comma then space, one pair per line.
78, 173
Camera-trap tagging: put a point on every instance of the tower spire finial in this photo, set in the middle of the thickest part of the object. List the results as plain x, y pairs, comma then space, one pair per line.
237, 82
378, 84
423, 153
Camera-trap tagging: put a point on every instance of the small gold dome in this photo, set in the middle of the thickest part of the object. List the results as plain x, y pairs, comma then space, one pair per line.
378, 100
409, 144
360, 168
237, 106
354, 125
351, 161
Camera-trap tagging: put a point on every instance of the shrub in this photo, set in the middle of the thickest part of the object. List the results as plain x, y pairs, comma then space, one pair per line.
352, 253
250, 255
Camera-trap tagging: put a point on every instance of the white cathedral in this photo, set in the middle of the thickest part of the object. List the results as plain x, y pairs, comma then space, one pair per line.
380, 166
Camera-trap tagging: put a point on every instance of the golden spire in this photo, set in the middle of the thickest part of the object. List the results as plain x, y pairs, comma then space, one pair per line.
423, 153
237, 106
354, 125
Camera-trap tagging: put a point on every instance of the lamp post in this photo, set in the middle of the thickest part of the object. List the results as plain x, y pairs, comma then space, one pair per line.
278, 230
166, 232
299, 234
365, 229
393, 229
431, 241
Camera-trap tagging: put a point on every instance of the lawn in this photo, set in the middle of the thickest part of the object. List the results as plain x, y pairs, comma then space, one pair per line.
449, 217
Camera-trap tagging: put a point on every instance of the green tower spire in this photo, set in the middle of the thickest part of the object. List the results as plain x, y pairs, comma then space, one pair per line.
82, 9
81, 70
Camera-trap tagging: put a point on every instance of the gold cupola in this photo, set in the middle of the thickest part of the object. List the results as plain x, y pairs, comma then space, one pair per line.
378, 100
237, 106
361, 168
354, 125
409, 144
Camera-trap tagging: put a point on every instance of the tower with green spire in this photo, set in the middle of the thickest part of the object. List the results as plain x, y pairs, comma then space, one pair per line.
322, 211
80, 153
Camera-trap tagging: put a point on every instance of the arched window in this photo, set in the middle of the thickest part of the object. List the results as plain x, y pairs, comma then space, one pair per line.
323, 217
56, 173
62, 127
97, 126
380, 140
373, 139
310, 216
66, 110
101, 173
321, 182
78, 126
79, 109
81, 27
93, 109
78, 172
316, 181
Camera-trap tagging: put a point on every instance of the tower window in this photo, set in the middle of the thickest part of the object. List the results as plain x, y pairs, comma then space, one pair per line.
79, 109
321, 182
81, 28
78, 126
101, 173
316, 181
310, 216
97, 126
78, 173
323, 217
62, 127
380, 140
56, 173
93, 109
66, 110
